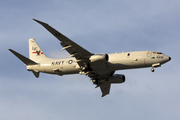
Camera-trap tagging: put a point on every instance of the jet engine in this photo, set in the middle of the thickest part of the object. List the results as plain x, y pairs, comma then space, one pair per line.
99, 58
116, 78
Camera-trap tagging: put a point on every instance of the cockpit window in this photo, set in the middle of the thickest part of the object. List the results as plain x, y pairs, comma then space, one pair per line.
159, 52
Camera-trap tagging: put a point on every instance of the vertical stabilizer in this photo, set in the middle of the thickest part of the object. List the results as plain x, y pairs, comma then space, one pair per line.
35, 52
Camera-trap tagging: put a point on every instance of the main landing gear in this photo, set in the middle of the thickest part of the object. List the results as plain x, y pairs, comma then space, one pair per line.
95, 82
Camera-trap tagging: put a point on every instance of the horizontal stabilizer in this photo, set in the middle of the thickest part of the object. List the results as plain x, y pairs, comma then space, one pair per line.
25, 60
36, 74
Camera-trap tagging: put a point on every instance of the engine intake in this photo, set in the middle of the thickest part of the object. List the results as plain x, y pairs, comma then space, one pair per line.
116, 78
99, 58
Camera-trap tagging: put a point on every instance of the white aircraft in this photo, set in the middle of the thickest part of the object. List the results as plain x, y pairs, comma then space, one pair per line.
99, 67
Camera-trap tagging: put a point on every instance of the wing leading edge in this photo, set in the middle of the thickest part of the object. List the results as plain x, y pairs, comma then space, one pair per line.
74, 49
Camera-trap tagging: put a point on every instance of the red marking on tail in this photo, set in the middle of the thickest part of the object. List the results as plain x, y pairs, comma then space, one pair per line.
36, 52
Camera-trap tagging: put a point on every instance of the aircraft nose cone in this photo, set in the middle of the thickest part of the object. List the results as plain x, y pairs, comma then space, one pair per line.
169, 58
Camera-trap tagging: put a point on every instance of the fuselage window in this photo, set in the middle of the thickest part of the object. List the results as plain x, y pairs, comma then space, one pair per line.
128, 54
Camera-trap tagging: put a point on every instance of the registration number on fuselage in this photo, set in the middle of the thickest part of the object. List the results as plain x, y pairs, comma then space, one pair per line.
159, 57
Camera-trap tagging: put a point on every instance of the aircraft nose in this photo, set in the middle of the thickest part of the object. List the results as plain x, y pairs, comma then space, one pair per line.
169, 58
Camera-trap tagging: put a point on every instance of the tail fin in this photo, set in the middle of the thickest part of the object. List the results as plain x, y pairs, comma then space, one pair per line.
25, 60
35, 52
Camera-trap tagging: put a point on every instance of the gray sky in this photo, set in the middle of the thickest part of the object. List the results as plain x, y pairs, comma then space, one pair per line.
100, 27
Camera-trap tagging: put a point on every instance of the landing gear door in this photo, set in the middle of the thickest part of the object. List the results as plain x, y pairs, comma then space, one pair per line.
149, 53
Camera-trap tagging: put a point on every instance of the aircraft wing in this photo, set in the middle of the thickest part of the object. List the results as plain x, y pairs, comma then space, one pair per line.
105, 88
74, 49
82, 56
102, 81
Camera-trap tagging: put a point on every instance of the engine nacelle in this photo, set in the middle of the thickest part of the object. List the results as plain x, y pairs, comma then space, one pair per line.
116, 78
99, 58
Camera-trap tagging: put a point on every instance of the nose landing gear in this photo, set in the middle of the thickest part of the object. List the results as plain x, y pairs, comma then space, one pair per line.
152, 69
155, 66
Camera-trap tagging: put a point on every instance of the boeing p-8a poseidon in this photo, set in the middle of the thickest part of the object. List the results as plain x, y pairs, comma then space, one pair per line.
99, 67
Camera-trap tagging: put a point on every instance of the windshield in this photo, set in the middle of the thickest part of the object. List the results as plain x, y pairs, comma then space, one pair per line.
159, 53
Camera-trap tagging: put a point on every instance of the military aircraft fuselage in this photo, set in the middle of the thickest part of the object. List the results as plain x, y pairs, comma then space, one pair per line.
116, 61
99, 67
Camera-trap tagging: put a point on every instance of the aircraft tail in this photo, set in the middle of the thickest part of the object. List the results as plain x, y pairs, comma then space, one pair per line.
36, 55
35, 52
25, 60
